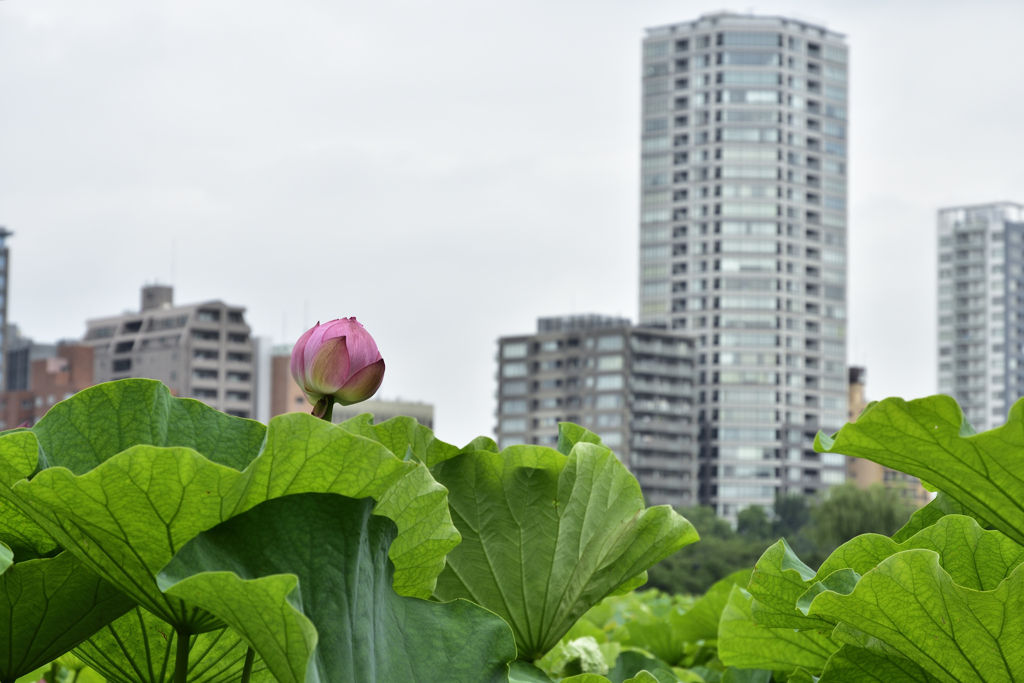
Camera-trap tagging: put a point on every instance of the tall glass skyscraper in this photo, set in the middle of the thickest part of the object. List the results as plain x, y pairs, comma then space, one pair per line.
743, 241
981, 309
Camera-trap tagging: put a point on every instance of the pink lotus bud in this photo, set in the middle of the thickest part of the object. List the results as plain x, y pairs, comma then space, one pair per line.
338, 359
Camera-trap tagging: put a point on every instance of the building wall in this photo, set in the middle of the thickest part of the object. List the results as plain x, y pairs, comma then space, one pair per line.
51, 380
202, 351
865, 473
743, 241
633, 387
981, 309
285, 395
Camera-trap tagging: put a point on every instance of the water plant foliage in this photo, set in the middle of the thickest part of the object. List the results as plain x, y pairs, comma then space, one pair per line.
149, 538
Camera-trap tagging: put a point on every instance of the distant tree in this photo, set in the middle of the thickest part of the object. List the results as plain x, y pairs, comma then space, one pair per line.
792, 513
752, 522
720, 552
847, 511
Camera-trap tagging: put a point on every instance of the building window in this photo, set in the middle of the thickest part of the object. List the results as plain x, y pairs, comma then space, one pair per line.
208, 316
514, 370
121, 365
516, 350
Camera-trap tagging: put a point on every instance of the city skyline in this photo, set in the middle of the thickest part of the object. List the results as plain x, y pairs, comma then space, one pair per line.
170, 143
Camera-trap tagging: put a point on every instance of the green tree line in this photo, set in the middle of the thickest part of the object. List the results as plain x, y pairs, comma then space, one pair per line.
813, 527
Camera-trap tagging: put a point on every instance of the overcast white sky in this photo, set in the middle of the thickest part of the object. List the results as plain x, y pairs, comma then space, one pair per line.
446, 171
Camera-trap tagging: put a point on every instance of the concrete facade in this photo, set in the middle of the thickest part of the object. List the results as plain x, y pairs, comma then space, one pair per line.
202, 351
981, 309
743, 241
633, 386
865, 473
51, 379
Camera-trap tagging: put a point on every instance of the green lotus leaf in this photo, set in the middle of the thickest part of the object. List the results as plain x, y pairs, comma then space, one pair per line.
306, 580
802, 675
304, 454
930, 439
139, 648
19, 458
546, 536
858, 665
127, 517
746, 645
778, 581
631, 662
936, 509
525, 672
734, 675
403, 436
570, 434
700, 622
667, 634
975, 558
913, 605
47, 607
101, 421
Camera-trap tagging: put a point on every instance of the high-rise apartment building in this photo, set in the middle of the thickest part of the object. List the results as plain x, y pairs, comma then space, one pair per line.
743, 241
202, 351
633, 386
981, 309
5, 258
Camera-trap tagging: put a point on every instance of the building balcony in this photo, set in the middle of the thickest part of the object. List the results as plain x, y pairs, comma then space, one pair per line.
663, 427
662, 369
664, 388
664, 407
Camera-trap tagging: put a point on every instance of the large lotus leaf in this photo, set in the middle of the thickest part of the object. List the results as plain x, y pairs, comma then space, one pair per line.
929, 438
939, 507
911, 604
306, 580
47, 607
19, 458
524, 672
700, 622
546, 536
101, 421
778, 581
403, 436
128, 516
974, 557
632, 661
745, 645
570, 434
140, 648
668, 634
858, 665
306, 455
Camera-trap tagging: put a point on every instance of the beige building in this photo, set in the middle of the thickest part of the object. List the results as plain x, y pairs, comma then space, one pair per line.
865, 473
286, 397
202, 351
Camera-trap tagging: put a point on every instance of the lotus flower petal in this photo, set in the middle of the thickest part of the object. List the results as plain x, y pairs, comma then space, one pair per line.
361, 385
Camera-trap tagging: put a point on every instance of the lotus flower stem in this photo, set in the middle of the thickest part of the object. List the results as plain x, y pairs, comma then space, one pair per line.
54, 670
181, 656
327, 402
250, 657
